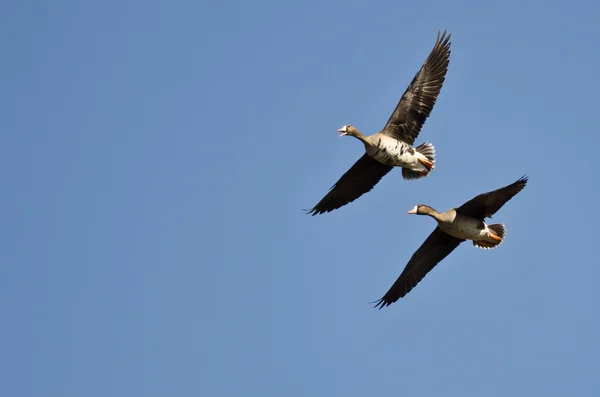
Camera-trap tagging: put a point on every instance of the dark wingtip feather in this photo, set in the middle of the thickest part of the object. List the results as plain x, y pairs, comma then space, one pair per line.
522, 182
318, 210
312, 212
380, 304
444, 39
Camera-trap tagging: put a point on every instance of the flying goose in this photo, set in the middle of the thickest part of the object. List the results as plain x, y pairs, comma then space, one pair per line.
391, 147
454, 226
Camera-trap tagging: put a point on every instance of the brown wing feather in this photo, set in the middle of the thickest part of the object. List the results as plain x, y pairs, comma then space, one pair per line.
435, 248
419, 98
358, 180
487, 204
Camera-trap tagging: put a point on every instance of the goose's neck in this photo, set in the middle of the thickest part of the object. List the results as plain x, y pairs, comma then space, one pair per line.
362, 137
433, 213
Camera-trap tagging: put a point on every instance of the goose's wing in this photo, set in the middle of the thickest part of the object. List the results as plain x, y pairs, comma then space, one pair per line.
487, 204
419, 98
435, 248
358, 180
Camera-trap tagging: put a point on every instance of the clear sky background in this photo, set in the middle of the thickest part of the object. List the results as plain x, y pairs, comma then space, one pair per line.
155, 158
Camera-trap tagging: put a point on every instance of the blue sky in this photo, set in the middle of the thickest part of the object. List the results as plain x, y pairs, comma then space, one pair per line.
155, 158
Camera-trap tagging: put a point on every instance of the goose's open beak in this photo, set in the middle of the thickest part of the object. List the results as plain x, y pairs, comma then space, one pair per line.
343, 131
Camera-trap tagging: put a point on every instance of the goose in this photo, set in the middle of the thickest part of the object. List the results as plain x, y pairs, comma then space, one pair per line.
391, 147
454, 226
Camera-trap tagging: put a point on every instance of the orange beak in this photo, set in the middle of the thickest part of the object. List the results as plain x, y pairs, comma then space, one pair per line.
343, 131
413, 211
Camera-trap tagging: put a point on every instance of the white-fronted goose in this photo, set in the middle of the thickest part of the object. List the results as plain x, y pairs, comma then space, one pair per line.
391, 147
454, 226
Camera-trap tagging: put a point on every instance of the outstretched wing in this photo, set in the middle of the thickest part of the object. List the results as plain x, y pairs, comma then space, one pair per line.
487, 204
437, 246
358, 180
419, 98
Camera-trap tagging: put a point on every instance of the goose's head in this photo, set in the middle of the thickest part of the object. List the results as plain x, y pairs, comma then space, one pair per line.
421, 209
349, 130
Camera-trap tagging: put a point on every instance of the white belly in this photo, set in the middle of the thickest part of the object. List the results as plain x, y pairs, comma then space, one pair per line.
390, 151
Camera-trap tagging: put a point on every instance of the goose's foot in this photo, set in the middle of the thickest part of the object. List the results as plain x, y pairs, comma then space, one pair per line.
495, 237
428, 164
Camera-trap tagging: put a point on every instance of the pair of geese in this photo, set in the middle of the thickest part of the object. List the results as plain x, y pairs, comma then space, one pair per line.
392, 147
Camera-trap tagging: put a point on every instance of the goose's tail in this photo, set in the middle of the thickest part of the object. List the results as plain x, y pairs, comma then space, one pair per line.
497, 232
427, 150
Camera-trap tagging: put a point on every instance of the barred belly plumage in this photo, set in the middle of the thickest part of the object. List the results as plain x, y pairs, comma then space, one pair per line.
391, 151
